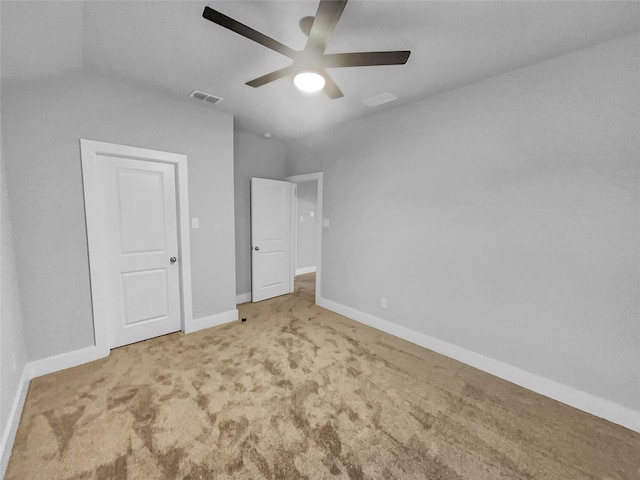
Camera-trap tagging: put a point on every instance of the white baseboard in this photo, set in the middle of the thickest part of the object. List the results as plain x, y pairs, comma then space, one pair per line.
44, 366
212, 321
303, 270
37, 368
563, 393
11, 427
243, 298
584, 401
32, 370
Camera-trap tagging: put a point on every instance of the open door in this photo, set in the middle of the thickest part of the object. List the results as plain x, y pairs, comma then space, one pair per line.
271, 234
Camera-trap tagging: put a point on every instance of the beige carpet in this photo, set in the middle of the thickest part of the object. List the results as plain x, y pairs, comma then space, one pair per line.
299, 392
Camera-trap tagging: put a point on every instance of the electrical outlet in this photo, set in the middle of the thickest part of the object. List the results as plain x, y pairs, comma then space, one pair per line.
383, 302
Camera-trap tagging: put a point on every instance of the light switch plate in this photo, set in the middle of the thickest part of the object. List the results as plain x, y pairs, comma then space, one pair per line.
195, 223
325, 222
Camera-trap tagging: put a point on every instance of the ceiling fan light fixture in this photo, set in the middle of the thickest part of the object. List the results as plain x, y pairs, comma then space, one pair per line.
309, 82
318, 30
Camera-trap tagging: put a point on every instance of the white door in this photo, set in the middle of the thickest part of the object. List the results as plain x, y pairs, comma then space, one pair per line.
271, 252
140, 242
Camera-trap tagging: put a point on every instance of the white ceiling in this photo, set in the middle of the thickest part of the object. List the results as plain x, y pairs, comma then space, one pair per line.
168, 47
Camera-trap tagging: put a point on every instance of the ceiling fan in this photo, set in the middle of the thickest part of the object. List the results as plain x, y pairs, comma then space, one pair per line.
310, 64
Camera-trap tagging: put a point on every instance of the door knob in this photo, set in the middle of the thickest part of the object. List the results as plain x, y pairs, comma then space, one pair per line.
256, 248
172, 260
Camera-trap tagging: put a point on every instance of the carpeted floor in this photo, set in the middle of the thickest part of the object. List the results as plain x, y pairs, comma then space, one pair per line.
299, 392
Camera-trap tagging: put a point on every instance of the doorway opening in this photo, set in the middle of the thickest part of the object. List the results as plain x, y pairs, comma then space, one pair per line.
305, 286
307, 233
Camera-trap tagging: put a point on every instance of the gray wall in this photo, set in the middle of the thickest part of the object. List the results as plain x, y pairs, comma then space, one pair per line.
502, 217
12, 343
307, 198
42, 122
254, 157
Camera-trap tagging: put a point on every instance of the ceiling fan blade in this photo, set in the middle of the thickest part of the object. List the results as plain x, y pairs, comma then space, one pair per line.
327, 16
365, 59
248, 32
270, 77
330, 87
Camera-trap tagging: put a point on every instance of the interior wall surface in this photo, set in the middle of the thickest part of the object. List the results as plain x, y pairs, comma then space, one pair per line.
43, 122
13, 350
255, 156
307, 207
502, 217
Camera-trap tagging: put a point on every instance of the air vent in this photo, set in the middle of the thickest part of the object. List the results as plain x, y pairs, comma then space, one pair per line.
207, 97
379, 99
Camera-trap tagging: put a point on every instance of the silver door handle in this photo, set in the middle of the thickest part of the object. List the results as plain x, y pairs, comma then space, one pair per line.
256, 248
173, 260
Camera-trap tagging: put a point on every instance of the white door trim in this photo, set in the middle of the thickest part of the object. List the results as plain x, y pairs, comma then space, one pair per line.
318, 178
89, 150
293, 256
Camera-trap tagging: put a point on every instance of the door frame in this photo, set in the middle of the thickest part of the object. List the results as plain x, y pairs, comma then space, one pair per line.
89, 150
318, 177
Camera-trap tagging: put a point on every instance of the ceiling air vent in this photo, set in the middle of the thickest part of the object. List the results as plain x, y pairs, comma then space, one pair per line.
380, 99
207, 97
